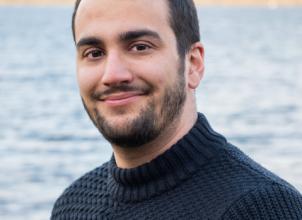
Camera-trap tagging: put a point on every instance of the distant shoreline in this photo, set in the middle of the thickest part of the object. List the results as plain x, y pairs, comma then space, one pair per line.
199, 2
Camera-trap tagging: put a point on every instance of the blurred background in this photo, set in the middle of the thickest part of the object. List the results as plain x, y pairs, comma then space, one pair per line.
251, 93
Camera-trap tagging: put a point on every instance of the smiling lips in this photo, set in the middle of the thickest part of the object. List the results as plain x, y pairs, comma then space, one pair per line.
121, 98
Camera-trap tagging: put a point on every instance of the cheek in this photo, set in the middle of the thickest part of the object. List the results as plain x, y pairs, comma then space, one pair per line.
88, 79
157, 72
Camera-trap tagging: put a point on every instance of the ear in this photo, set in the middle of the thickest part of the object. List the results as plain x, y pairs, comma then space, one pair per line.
196, 65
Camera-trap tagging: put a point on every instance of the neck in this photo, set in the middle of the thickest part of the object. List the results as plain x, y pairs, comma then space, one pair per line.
131, 158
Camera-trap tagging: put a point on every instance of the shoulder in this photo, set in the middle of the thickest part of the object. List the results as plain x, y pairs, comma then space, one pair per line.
90, 187
248, 166
93, 178
268, 201
267, 197
257, 193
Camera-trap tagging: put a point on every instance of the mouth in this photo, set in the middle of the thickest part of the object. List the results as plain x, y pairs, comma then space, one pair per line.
121, 98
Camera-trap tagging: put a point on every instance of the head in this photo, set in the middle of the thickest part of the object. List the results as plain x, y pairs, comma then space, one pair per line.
183, 21
137, 65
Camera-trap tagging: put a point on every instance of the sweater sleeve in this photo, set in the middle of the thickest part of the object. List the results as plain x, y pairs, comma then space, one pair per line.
271, 202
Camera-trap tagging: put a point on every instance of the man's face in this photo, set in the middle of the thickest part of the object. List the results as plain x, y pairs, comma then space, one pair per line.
130, 76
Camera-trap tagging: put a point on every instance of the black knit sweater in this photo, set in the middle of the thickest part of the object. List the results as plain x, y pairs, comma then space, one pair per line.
202, 176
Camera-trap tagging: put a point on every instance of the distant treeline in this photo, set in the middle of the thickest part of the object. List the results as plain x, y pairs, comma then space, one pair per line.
202, 2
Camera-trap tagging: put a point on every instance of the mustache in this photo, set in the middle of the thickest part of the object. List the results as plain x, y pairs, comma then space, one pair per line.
121, 88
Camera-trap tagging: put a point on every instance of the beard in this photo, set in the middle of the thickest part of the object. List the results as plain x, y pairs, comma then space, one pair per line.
149, 123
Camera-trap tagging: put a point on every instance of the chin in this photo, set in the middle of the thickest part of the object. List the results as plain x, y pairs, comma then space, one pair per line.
120, 118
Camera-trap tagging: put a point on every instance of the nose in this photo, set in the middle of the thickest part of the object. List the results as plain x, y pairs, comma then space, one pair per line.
116, 70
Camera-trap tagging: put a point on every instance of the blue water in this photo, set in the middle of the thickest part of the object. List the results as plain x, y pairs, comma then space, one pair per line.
251, 92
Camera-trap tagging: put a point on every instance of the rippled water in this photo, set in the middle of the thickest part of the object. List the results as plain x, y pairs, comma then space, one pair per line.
251, 93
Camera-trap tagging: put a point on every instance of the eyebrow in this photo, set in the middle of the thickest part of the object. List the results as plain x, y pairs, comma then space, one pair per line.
132, 35
124, 37
89, 41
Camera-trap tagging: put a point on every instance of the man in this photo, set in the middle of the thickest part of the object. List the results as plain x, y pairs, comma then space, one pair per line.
138, 65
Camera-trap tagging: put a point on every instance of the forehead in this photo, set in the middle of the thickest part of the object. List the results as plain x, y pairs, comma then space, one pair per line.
109, 16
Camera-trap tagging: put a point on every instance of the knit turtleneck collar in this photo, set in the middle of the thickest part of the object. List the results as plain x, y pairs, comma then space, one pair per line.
168, 170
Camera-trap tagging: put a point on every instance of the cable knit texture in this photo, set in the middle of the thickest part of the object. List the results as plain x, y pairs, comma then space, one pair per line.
202, 176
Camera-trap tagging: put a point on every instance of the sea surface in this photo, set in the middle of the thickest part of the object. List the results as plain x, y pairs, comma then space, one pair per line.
251, 93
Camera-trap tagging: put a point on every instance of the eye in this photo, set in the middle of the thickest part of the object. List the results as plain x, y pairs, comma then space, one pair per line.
140, 47
94, 53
